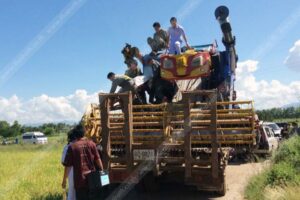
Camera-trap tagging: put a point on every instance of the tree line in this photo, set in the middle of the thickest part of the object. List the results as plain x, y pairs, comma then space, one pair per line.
16, 129
278, 113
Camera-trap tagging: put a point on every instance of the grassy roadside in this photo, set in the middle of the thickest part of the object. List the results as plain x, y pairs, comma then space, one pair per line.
282, 179
31, 171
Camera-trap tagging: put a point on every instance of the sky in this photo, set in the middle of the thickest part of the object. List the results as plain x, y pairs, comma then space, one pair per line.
55, 55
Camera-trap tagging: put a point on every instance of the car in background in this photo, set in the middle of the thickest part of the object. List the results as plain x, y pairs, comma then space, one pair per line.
282, 124
266, 141
34, 138
284, 129
4, 142
275, 127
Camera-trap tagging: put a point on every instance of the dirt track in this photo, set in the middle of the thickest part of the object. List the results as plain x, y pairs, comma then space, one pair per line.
237, 176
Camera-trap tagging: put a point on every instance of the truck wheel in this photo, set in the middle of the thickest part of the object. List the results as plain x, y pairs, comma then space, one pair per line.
223, 189
149, 183
222, 192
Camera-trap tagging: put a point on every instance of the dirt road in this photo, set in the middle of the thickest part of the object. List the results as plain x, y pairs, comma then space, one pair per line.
237, 176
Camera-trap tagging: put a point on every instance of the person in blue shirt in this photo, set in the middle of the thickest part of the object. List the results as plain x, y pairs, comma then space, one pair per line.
176, 33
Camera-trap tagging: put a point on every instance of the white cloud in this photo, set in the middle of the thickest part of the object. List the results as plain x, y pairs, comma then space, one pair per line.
266, 94
293, 59
43, 109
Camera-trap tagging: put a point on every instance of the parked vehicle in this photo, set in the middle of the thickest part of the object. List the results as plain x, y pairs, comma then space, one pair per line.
267, 141
275, 127
284, 129
4, 142
34, 138
282, 124
188, 140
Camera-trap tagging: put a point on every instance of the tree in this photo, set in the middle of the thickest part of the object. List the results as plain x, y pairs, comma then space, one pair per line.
4, 128
49, 130
15, 129
278, 113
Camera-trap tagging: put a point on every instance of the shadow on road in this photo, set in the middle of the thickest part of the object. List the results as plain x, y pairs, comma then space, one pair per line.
173, 191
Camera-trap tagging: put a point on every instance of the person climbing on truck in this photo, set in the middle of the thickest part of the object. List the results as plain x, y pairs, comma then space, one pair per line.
150, 72
133, 69
160, 39
175, 33
129, 53
124, 82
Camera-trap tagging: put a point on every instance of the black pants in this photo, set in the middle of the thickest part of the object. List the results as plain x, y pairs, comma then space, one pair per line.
86, 194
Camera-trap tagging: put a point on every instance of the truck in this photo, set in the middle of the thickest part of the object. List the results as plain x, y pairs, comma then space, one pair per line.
188, 140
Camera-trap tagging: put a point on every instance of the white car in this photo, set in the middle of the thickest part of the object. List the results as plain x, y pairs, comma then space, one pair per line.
275, 127
34, 138
271, 138
266, 140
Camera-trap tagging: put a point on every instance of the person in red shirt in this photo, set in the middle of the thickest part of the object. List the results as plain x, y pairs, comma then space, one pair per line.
84, 157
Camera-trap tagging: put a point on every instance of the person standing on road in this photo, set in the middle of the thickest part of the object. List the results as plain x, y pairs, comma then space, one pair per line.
84, 157
175, 33
70, 175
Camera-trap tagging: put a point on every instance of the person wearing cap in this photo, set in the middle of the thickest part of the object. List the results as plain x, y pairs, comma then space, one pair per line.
133, 69
176, 32
159, 40
124, 82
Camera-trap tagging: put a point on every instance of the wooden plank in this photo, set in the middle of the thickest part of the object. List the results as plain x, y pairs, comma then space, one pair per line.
225, 136
128, 129
204, 142
235, 129
105, 132
214, 139
187, 135
198, 92
233, 102
147, 130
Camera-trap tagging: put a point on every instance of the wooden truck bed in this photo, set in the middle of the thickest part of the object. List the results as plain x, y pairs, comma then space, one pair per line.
189, 139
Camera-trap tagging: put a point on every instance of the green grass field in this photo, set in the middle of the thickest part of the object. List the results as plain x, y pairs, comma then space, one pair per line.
31, 171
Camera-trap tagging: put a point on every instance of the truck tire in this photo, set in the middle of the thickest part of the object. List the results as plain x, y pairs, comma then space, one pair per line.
148, 183
223, 189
